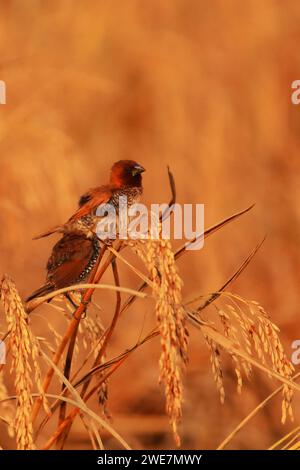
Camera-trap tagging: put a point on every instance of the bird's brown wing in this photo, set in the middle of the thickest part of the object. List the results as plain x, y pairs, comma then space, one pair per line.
70, 257
92, 199
88, 202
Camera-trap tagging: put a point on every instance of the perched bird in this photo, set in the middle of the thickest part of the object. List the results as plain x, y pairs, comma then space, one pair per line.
71, 262
125, 180
75, 254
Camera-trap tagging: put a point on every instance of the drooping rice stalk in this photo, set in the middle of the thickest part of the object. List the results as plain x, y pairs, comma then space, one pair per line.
159, 259
25, 353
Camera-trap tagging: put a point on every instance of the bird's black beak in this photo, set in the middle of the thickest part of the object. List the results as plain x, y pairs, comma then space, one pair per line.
137, 170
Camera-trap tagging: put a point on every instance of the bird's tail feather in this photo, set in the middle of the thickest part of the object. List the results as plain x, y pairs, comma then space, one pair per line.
44, 290
52, 230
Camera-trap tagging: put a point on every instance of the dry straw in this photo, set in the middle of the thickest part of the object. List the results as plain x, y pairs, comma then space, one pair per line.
243, 329
92, 340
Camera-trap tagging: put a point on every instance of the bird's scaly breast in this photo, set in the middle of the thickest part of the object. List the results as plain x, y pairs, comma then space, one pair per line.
132, 194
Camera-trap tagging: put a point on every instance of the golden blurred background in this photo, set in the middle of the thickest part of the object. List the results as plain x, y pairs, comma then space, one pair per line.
204, 86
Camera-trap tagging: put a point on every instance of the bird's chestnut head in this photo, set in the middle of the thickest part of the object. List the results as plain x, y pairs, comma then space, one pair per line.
126, 173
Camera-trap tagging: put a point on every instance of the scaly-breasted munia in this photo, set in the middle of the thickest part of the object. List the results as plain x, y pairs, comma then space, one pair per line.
71, 262
75, 254
125, 180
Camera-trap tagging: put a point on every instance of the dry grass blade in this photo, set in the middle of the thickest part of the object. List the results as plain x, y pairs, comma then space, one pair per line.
286, 441
67, 372
251, 415
112, 363
214, 296
102, 391
295, 446
80, 404
211, 230
96, 275
100, 358
115, 360
207, 232
32, 305
173, 195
